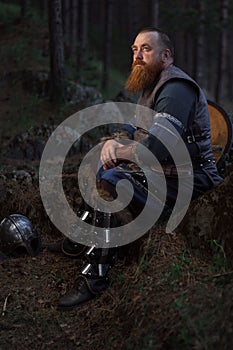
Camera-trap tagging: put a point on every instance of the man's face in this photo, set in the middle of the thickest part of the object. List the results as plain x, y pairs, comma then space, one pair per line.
147, 61
146, 48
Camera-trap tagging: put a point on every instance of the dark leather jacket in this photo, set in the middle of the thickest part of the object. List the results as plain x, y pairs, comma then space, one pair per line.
198, 130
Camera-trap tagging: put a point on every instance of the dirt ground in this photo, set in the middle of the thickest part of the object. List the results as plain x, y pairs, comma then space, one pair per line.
164, 295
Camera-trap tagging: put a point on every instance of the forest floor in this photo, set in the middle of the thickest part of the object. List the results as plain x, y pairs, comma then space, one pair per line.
165, 295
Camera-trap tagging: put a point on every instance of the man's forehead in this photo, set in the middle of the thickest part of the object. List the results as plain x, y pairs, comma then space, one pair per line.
150, 38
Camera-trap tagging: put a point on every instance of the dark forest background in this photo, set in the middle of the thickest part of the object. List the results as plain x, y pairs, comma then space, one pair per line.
96, 36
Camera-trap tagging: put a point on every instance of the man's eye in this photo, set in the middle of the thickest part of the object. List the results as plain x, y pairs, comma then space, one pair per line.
146, 48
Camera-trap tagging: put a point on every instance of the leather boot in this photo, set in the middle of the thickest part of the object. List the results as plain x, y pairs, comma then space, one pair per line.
93, 279
85, 289
67, 247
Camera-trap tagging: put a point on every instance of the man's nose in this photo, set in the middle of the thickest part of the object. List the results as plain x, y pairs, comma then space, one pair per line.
139, 55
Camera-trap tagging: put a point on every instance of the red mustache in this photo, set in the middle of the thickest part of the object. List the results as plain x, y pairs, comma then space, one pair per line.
138, 62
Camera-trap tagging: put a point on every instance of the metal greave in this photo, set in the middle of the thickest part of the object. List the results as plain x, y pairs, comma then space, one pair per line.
99, 260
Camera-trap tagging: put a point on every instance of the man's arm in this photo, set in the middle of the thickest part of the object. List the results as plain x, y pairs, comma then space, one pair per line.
177, 99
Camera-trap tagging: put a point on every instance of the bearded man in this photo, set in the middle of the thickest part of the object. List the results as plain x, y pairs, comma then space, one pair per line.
177, 100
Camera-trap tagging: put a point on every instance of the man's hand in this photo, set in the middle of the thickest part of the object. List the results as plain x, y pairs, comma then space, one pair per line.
108, 154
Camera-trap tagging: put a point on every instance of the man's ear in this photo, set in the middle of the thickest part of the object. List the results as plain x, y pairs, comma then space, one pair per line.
166, 54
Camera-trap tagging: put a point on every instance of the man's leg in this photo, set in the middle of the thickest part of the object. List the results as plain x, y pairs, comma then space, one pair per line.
92, 280
67, 247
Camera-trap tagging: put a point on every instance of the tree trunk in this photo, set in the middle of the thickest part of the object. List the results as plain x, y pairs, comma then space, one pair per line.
134, 11
230, 68
155, 13
179, 46
56, 81
74, 23
225, 46
25, 8
82, 52
201, 64
44, 8
221, 86
189, 53
107, 42
66, 17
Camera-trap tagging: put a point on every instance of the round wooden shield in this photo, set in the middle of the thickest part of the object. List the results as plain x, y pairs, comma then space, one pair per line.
221, 131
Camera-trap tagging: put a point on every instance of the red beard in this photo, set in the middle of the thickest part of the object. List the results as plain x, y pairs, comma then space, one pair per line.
142, 76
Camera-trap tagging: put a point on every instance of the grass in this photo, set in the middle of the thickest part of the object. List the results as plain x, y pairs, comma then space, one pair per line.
219, 263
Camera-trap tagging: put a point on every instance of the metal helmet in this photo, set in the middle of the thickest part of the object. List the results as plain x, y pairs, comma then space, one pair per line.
18, 236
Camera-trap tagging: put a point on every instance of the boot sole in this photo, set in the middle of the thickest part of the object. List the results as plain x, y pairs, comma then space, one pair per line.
70, 308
